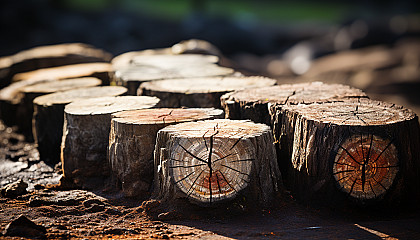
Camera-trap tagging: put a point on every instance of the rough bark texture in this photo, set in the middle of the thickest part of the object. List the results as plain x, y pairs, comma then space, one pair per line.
98, 70
29, 93
132, 141
48, 118
260, 104
367, 150
214, 161
199, 92
86, 129
144, 68
49, 56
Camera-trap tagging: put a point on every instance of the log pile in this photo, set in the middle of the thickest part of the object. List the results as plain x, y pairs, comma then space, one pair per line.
132, 140
213, 161
86, 134
48, 118
199, 92
47, 57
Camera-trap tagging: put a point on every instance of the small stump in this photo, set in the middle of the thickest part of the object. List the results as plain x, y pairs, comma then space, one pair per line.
144, 68
29, 93
48, 118
132, 141
199, 92
368, 150
214, 161
98, 70
86, 129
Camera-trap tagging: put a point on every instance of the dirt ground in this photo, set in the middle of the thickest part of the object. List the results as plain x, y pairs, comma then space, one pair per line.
101, 214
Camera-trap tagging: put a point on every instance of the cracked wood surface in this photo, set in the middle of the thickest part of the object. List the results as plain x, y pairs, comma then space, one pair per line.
199, 92
368, 150
132, 140
86, 130
213, 161
48, 118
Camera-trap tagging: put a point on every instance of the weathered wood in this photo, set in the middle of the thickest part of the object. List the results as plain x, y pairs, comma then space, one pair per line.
48, 117
49, 56
86, 129
213, 161
29, 93
144, 68
98, 70
199, 92
132, 141
261, 104
368, 150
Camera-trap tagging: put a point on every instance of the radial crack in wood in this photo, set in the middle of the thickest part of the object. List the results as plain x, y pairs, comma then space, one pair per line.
132, 140
199, 92
214, 161
48, 118
369, 150
86, 130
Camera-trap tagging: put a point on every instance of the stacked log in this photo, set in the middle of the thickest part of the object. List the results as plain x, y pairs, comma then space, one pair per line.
49, 56
86, 130
144, 68
97, 70
366, 150
48, 118
132, 140
213, 161
199, 92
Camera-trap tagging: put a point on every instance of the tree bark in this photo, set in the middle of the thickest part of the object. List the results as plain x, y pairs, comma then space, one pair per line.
98, 70
47, 57
144, 68
199, 92
48, 118
86, 129
362, 149
29, 93
132, 140
213, 161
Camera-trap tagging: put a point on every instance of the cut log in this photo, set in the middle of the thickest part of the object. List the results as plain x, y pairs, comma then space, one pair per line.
199, 92
29, 93
257, 104
214, 161
146, 68
11, 97
367, 150
86, 129
98, 70
132, 141
49, 56
48, 118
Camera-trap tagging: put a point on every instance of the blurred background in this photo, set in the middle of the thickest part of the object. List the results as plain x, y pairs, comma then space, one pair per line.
373, 45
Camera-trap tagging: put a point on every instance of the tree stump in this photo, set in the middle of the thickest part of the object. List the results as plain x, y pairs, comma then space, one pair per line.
48, 118
86, 130
132, 141
199, 92
367, 150
47, 57
261, 104
144, 68
98, 70
29, 93
10, 99
213, 161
